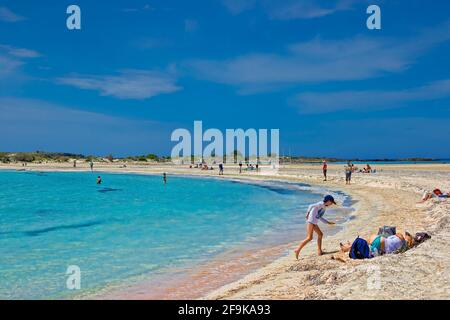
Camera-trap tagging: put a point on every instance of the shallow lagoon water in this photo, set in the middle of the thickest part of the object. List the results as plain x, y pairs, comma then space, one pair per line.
131, 226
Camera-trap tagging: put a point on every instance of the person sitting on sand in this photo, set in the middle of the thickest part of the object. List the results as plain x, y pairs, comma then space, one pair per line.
314, 214
380, 245
367, 169
435, 193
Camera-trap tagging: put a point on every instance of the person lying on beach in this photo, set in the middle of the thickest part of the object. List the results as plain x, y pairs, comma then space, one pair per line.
436, 193
313, 215
380, 245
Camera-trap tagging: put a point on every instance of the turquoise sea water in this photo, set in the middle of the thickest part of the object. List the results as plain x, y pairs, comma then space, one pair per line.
129, 227
442, 161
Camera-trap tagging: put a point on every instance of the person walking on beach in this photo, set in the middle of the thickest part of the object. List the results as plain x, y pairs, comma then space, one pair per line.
324, 169
221, 169
165, 178
240, 166
348, 172
91, 164
313, 215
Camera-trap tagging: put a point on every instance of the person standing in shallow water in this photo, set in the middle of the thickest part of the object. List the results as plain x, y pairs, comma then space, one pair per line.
165, 178
99, 180
313, 215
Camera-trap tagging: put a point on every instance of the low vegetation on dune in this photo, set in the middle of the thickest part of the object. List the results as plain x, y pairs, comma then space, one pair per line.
41, 156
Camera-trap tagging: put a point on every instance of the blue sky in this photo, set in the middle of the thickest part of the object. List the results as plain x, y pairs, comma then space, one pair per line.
139, 69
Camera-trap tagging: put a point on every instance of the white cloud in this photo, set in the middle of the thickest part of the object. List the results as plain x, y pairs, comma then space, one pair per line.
146, 7
291, 9
12, 58
308, 9
128, 84
7, 15
8, 66
319, 60
323, 102
376, 138
238, 6
37, 124
19, 52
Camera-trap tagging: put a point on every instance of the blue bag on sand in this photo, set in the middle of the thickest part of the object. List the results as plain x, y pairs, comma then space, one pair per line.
360, 249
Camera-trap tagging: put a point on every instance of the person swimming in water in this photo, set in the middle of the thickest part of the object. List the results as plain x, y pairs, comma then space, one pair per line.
165, 178
99, 180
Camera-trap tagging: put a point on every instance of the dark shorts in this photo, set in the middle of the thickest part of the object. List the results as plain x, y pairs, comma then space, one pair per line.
348, 176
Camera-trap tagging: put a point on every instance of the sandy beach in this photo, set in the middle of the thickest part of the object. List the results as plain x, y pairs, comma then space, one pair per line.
388, 197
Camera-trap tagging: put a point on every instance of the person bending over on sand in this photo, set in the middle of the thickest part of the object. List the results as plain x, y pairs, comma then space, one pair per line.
313, 215
436, 193
380, 245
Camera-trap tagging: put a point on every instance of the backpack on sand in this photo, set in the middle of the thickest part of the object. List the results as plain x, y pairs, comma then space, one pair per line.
360, 249
387, 231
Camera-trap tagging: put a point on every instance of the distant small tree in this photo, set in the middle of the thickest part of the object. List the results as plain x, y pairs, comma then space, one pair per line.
153, 157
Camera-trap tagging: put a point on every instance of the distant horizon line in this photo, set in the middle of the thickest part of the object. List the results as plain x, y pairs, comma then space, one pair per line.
327, 158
